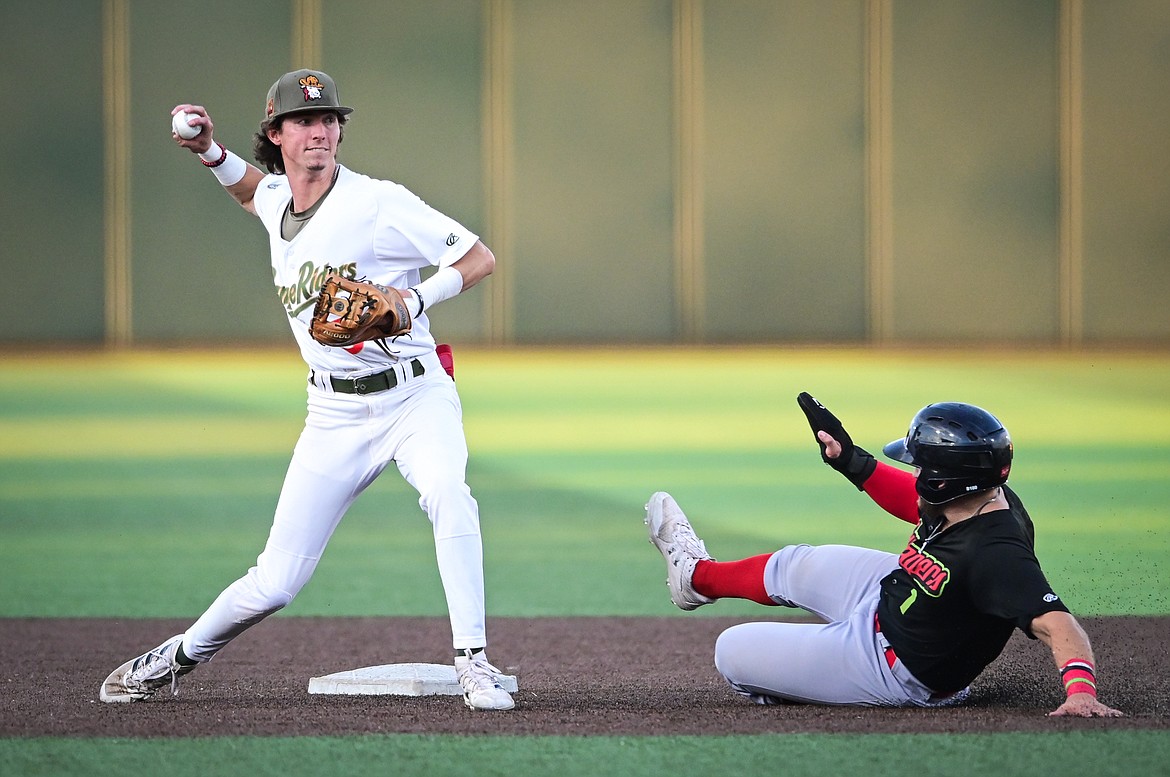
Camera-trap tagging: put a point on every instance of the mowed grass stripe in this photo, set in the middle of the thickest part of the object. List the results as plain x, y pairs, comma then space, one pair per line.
1100, 753
188, 451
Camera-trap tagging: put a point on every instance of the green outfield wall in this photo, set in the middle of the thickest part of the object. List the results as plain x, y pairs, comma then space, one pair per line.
662, 171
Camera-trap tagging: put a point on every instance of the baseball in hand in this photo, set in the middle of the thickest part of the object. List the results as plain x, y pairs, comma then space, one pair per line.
182, 128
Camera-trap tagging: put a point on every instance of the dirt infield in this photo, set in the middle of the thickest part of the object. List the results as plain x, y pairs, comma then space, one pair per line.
577, 676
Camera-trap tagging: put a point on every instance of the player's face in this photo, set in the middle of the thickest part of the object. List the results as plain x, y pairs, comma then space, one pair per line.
308, 140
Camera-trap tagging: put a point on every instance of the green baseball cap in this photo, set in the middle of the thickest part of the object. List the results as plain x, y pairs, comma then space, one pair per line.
300, 91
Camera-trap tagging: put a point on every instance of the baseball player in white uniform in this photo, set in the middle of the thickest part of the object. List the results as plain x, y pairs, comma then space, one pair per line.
370, 404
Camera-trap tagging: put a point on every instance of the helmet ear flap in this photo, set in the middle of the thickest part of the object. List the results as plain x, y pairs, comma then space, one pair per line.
935, 490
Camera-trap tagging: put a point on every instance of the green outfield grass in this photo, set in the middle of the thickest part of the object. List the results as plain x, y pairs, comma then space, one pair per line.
121, 470
792, 755
109, 463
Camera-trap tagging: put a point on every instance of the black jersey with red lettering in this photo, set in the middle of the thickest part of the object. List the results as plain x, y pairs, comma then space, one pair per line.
957, 595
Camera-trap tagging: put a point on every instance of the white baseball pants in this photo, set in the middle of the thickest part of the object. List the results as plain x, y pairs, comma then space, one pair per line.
347, 442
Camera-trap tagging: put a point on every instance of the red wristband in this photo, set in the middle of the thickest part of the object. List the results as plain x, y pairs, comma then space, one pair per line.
218, 162
1078, 676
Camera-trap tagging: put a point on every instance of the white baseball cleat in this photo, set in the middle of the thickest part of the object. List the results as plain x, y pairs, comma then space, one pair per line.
139, 678
481, 683
672, 534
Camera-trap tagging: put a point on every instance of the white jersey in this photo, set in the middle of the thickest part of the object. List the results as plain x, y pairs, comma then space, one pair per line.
365, 228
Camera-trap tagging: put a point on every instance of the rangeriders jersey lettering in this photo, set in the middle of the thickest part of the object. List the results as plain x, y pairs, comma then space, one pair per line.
365, 228
296, 297
952, 604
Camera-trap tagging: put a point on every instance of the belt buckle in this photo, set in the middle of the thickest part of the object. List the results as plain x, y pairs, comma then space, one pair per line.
359, 386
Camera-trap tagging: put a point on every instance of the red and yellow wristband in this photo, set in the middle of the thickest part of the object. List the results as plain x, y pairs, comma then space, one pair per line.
1078, 676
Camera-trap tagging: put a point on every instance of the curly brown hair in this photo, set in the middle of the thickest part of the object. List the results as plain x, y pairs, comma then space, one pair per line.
268, 153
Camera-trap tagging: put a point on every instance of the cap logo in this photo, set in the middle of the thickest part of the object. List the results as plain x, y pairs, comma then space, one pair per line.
303, 90
312, 88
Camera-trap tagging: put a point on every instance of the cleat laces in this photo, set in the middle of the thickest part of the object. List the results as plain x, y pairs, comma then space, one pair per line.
153, 670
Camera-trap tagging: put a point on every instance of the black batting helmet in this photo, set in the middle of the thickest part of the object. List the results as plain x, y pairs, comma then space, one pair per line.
959, 449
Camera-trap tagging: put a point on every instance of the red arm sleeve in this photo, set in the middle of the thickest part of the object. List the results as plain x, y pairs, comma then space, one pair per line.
893, 491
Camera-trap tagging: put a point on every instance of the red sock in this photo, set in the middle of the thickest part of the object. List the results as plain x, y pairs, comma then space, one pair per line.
742, 579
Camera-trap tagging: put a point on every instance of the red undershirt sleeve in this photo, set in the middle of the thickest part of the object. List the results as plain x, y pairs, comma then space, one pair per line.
893, 491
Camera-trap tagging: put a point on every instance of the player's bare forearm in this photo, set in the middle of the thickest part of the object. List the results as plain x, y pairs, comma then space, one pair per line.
1064, 636
243, 191
475, 265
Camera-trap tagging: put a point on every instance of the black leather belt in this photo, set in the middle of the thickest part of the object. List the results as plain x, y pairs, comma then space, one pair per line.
371, 384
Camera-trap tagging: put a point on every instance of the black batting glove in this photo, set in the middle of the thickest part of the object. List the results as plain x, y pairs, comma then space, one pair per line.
855, 463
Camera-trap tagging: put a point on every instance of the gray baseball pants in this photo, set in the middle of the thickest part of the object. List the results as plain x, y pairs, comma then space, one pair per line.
842, 661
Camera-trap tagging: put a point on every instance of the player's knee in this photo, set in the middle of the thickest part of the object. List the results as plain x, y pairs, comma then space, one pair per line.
278, 600
729, 659
268, 594
450, 504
